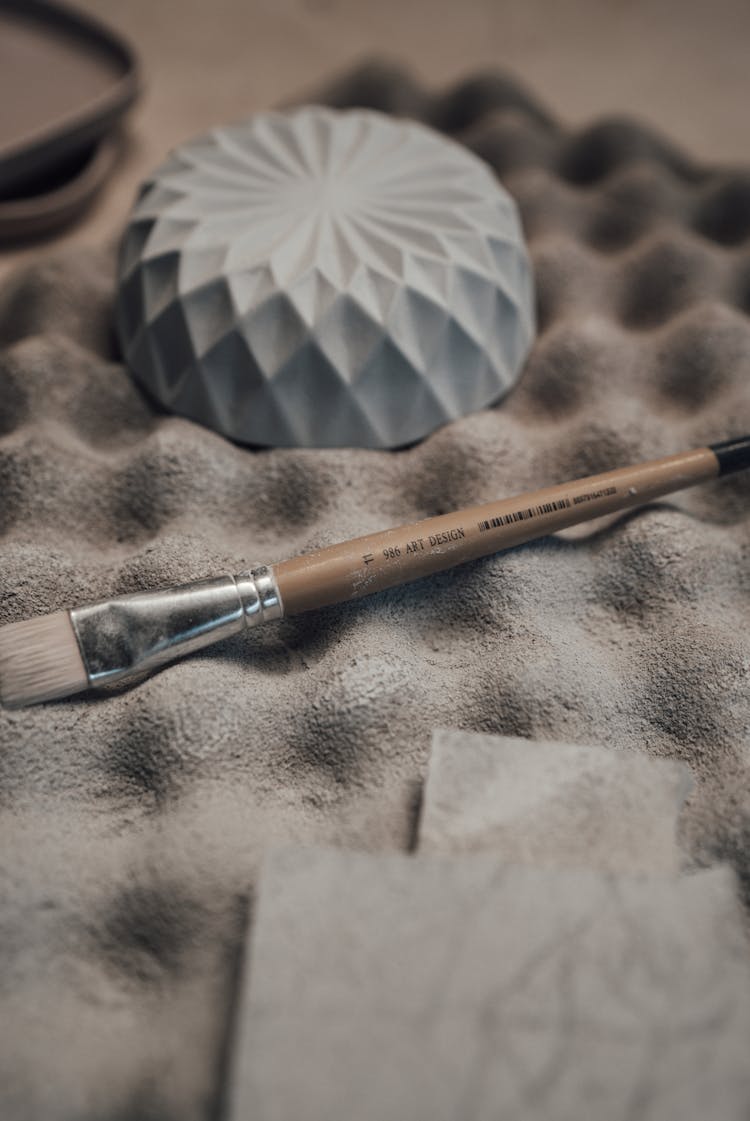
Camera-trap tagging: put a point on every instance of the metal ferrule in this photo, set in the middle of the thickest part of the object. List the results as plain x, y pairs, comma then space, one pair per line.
133, 633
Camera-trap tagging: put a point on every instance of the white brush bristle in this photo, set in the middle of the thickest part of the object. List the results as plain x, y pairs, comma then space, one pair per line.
40, 660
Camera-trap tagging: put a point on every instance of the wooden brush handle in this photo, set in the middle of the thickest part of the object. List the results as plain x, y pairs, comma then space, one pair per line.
395, 556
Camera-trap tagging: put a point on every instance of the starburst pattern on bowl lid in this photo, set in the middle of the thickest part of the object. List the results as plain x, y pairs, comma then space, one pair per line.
324, 278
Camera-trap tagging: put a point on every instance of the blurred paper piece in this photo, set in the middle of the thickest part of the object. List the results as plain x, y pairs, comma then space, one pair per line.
552, 803
434, 988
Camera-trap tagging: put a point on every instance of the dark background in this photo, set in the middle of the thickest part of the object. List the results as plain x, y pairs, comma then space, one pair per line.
682, 66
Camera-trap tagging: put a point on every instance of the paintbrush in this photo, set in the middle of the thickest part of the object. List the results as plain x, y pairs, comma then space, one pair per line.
60, 654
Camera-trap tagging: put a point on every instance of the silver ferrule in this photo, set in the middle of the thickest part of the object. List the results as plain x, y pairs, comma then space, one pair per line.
133, 633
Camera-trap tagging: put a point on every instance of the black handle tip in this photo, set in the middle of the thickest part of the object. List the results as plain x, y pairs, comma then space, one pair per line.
733, 455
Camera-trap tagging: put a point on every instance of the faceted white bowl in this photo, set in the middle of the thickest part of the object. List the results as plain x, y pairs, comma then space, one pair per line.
324, 278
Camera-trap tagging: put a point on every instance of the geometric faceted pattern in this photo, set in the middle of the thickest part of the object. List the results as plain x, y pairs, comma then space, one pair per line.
324, 278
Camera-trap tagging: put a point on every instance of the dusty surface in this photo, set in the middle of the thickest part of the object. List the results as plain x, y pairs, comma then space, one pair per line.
133, 823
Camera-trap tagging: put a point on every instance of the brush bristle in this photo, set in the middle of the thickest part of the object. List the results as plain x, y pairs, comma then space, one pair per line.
40, 660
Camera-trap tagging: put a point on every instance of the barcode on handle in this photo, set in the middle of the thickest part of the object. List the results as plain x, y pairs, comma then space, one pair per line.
524, 515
